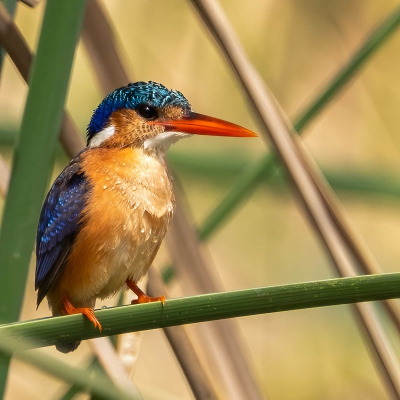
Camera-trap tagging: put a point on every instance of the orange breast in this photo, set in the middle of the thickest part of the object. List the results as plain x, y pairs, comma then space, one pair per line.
126, 219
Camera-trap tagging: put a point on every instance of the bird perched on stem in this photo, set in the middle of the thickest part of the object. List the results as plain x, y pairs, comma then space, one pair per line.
108, 211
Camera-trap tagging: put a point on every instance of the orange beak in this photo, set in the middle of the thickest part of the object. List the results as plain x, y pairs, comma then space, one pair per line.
200, 124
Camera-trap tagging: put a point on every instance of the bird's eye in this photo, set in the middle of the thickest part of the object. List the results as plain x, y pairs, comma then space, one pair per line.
147, 111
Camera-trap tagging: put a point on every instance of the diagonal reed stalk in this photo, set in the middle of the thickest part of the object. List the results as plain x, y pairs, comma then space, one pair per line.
10, 6
39, 130
101, 45
251, 177
353, 239
207, 307
304, 177
30, 3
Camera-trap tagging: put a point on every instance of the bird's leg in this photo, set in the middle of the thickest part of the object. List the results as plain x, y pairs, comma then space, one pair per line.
89, 312
142, 297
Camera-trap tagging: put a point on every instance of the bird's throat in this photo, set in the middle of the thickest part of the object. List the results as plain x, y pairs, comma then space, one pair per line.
163, 141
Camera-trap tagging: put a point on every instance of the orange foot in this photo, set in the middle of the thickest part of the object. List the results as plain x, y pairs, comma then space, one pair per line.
142, 297
89, 312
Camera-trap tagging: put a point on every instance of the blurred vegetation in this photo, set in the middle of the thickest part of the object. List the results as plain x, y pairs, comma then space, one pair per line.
297, 47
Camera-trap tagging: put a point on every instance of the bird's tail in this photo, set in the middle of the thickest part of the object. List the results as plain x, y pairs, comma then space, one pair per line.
58, 310
67, 347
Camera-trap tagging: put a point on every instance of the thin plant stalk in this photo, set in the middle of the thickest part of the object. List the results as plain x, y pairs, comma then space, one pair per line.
101, 46
358, 247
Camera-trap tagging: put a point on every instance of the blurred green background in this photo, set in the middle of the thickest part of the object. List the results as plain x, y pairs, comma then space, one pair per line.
296, 46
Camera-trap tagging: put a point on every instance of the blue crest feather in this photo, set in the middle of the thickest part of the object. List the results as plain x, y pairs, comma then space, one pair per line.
130, 96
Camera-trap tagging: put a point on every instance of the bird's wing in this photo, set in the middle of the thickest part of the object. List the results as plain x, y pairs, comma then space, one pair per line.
59, 223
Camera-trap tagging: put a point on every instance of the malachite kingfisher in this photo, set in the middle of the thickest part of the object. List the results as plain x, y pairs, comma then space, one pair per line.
108, 211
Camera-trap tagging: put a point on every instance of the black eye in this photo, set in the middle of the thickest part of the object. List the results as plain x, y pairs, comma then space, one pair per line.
147, 111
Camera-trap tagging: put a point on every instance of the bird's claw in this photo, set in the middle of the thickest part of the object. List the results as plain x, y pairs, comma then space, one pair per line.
88, 312
147, 299
142, 296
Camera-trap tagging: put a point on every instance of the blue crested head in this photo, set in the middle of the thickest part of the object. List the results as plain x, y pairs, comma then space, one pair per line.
131, 96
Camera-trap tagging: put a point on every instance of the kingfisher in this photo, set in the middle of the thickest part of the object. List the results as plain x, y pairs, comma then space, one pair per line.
106, 214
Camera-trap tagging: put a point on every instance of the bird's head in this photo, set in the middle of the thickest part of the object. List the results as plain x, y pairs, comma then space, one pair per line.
150, 116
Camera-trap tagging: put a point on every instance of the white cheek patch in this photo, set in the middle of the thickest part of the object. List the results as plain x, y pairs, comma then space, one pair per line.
164, 140
103, 135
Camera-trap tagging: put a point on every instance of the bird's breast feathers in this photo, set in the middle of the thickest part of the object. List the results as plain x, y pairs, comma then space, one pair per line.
126, 218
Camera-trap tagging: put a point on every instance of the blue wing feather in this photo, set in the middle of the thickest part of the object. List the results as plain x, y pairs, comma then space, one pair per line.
59, 223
